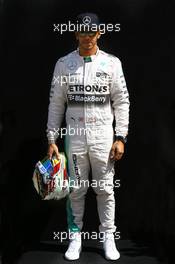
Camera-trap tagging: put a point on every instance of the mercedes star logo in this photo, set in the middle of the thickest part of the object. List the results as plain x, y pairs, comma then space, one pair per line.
72, 65
86, 20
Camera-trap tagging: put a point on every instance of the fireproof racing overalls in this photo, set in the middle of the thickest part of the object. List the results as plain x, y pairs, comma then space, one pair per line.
92, 91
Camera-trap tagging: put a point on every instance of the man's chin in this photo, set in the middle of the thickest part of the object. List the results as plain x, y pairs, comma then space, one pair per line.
87, 47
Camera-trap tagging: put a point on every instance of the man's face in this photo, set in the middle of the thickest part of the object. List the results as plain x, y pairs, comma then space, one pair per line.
87, 40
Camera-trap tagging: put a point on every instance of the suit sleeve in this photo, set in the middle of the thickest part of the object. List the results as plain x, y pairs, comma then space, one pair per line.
120, 100
57, 103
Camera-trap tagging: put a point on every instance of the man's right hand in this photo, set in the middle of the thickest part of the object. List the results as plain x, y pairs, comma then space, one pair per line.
53, 149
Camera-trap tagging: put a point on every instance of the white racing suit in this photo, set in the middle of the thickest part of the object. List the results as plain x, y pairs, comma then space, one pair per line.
92, 93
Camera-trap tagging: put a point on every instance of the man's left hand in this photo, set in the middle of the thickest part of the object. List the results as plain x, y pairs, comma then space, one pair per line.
117, 150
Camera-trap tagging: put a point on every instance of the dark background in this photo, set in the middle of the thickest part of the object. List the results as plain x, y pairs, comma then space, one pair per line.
145, 201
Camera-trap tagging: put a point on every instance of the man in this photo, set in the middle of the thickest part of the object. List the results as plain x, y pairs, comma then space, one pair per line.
94, 94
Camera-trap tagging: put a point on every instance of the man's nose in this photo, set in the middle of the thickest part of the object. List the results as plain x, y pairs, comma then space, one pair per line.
86, 36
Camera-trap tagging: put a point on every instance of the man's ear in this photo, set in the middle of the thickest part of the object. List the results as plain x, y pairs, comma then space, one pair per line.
99, 35
76, 35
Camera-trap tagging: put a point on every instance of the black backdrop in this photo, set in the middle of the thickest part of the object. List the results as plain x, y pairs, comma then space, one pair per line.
30, 48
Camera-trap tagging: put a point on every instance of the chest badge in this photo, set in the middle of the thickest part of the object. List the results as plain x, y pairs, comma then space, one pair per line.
72, 65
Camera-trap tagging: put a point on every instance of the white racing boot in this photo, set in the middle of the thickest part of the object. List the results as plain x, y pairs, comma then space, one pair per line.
110, 250
74, 249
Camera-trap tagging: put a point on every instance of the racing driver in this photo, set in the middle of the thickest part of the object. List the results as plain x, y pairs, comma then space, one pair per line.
89, 88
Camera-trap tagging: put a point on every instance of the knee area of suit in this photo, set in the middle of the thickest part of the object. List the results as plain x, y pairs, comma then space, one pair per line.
107, 191
77, 193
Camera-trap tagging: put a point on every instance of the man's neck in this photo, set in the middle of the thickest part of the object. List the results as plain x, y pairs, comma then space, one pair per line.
90, 52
